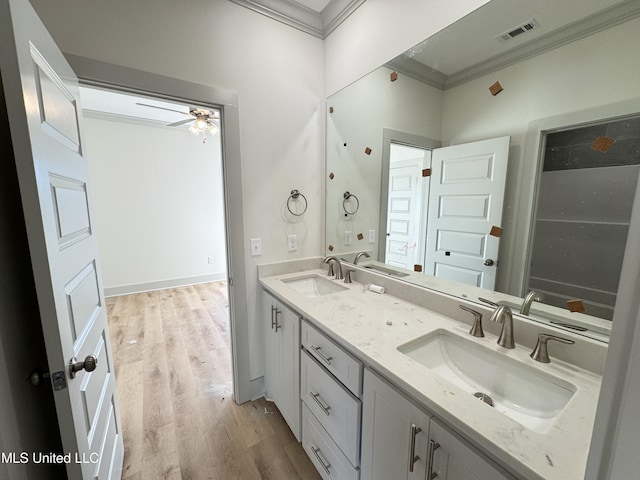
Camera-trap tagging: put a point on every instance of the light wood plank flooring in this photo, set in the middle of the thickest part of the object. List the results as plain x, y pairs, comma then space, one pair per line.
173, 370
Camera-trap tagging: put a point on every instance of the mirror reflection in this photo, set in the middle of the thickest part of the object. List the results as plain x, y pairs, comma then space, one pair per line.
534, 72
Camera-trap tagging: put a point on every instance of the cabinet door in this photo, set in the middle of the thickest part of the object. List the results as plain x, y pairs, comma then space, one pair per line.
455, 459
271, 372
394, 433
282, 360
287, 333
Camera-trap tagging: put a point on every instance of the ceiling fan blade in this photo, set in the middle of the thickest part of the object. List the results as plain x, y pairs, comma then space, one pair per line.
162, 108
181, 122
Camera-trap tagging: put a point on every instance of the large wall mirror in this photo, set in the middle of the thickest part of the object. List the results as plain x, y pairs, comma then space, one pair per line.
556, 81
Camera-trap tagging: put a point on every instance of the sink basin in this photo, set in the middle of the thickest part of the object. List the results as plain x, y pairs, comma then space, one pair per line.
526, 395
312, 286
386, 271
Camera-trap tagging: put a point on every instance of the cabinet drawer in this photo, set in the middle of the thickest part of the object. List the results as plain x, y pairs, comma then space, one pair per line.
323, 452
336, 360
337, 410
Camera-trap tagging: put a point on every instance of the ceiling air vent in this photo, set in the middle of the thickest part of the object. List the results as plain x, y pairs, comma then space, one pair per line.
519, 30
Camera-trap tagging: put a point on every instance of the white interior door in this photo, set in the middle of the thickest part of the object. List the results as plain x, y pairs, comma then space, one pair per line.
404, 246
466, 197
44, 111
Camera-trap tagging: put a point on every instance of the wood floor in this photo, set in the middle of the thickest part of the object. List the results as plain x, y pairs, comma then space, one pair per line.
173, 371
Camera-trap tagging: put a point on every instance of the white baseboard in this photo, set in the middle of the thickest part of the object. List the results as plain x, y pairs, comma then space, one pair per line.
162, 285
256, 387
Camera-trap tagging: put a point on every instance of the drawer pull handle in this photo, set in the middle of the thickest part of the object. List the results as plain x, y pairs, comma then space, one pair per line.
324, 408
325, 465
274, 317
413, 458
322, 356
433, 446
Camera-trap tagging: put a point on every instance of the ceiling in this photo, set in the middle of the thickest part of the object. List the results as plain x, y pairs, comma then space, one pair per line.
315, 17
122, 107
473, 46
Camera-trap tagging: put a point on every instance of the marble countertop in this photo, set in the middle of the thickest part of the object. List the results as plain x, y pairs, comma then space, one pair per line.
372, 326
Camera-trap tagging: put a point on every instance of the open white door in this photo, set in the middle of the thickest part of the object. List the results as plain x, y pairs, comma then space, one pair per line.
43, 106
466, 197
404, 246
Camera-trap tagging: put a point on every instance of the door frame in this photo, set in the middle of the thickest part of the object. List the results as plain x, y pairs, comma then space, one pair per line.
115, 77
390, 136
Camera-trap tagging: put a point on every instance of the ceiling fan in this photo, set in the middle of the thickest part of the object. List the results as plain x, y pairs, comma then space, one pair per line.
202, 120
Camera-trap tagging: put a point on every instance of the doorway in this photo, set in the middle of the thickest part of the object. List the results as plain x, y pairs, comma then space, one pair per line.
159, 204
127, 80
586, 186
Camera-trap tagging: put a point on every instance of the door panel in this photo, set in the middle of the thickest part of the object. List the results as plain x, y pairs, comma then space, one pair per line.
466, 197
45, 122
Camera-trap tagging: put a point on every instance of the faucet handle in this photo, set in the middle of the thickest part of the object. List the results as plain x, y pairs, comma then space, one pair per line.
347, 275
476, 329
540, 352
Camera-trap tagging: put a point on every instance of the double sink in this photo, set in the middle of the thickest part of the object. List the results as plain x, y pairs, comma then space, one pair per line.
527, 395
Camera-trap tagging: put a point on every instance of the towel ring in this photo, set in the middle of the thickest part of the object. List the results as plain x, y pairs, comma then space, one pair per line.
346, 196
295, 194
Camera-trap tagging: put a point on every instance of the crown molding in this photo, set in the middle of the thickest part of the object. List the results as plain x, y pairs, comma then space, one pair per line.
302, 18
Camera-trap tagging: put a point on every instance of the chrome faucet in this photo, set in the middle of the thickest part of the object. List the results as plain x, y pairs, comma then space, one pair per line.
359, 256
528, 300
503, 314
334, 266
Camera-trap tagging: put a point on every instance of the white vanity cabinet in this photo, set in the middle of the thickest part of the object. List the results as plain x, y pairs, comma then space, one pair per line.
330, 381
282, 359
402, 441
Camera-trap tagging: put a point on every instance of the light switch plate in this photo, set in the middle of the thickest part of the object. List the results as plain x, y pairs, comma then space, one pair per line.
372, 236
256, 247
348, 237
292, 242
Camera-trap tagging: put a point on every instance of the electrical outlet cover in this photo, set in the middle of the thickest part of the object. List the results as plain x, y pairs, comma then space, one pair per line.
348, 237
256, 247
292, 242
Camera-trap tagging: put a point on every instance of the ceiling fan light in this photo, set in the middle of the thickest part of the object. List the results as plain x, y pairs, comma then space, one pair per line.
194, 129
201, 124
213, 128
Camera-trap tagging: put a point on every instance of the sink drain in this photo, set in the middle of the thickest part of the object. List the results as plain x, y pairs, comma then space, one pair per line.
484, 397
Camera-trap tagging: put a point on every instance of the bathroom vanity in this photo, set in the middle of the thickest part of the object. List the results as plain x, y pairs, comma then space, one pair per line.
393, 385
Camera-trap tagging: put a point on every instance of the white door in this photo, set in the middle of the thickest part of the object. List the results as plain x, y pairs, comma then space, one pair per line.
404, 247
42, 100
465, 211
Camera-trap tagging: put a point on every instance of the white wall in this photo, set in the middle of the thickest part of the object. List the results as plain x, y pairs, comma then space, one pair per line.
596, 71
277, 72
158, 202
380, 30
